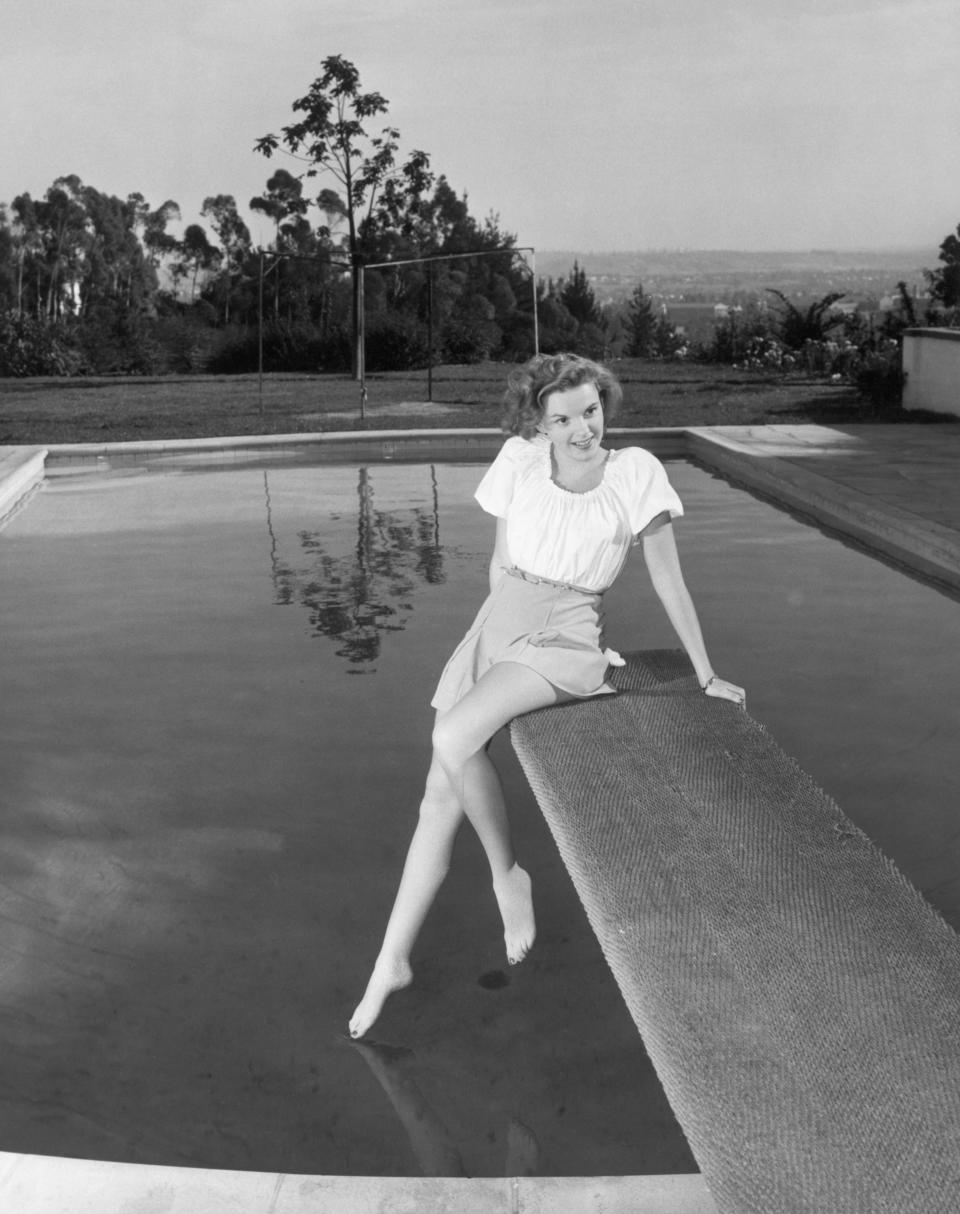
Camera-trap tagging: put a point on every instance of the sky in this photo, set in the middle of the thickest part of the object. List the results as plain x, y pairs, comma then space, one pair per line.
590, 126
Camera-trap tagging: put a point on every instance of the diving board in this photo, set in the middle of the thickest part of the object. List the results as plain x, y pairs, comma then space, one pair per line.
798, 997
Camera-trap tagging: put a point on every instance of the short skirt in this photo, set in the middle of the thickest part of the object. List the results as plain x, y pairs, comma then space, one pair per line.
555, 631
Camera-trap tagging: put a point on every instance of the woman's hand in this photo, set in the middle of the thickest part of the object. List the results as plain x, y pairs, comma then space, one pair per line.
723, 690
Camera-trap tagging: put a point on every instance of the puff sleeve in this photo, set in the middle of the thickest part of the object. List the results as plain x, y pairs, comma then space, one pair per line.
496, 489
646, 489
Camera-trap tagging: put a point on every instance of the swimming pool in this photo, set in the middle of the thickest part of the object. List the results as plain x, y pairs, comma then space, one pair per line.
216, 683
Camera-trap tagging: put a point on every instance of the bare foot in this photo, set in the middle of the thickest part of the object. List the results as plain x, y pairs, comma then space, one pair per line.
388, 976
515, 899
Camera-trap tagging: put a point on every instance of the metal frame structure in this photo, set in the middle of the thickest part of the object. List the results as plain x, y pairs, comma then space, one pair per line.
430, 261
360, 335
277, 258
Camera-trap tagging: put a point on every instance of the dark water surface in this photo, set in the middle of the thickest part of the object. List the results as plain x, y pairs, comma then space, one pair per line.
215, 688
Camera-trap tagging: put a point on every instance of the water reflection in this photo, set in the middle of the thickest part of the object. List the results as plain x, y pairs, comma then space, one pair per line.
355, 599
432, 1143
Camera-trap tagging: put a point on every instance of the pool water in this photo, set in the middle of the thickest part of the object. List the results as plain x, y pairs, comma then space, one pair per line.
215, 702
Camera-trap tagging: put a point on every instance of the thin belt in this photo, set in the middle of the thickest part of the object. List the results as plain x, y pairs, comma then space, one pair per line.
513, 571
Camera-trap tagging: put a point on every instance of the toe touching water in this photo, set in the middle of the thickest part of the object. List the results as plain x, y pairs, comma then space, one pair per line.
387, 977
568, 511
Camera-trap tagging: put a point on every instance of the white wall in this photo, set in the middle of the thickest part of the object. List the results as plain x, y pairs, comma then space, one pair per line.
931, 360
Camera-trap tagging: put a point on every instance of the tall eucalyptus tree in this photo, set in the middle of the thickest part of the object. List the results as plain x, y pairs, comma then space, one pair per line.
331, 138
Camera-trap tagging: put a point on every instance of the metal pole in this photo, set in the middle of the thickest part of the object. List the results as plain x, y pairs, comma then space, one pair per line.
260, 339
430, 333
536, 320
361, 343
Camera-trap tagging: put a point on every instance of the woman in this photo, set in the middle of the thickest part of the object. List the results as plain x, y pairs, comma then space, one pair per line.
568, 510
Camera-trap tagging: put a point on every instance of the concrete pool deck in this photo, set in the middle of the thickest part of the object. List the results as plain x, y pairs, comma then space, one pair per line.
893, 489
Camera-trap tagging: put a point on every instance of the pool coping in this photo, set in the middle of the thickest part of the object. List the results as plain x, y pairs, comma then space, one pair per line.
35, 1184
769, 460
22, 470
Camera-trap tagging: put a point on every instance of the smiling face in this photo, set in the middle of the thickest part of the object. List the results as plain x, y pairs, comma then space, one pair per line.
573, 422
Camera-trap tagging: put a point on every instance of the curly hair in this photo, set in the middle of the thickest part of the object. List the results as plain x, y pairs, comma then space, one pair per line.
528, 385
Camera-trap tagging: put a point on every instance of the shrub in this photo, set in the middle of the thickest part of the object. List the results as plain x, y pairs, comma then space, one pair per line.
286, 347
796, 328
118, 341
591, 340
740, 338
667, 342
396, 343
469, 340
878, 373
517, 343
30, 347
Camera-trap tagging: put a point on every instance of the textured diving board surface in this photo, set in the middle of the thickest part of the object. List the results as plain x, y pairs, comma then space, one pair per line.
799, 999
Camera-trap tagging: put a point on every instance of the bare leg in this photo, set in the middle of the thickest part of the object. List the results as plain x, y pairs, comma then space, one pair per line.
507, 690
427, 863
461, 780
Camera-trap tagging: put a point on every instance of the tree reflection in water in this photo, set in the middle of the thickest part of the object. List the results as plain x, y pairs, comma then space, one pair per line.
356, 599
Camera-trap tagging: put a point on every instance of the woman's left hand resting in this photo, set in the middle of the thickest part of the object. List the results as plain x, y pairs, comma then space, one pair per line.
725, 691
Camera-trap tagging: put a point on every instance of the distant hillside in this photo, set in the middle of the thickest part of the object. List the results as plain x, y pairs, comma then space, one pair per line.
728, 274
553, 263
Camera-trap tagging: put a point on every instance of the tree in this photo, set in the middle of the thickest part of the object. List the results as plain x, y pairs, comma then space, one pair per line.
7, 287
61, 222
945, 282
578, 298
282, 201
196, 254
27, 244
641, 323
558, 329
158, 242
117, 280
234, 237
332, 139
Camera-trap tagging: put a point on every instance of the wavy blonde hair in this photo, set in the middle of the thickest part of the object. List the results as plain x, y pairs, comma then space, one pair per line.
528, 386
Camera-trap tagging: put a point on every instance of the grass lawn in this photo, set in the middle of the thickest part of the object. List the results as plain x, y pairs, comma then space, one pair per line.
655, 394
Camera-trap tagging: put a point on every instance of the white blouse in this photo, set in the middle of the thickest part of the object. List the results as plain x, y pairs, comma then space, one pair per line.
580, 538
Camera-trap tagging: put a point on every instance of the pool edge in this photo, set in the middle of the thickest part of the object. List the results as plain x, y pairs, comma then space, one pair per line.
37, 1184
769, 460
22, 471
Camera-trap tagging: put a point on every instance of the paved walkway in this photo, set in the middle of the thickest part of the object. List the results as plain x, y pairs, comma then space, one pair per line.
896, 489
915, 468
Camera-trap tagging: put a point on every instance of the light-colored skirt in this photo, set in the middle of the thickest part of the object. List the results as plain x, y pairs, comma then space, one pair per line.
555, 631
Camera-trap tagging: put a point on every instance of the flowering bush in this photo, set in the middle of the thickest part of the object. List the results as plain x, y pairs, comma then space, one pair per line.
869, 360
761, 352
